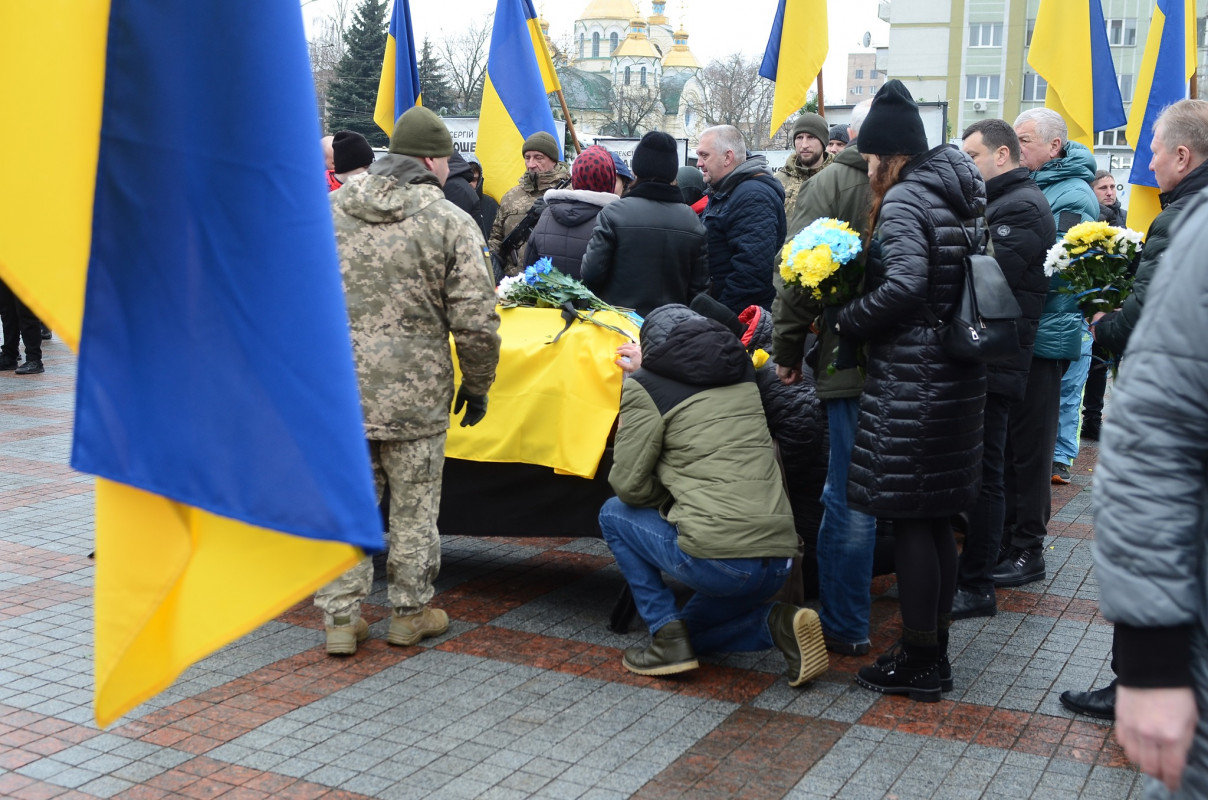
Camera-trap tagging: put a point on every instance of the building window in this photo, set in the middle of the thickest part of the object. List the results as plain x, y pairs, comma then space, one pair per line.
1112, 138
872, 73
612, 43
858, 90
582, 45
626, 76
642, 77
859, 73
1027, 41
1122, 32
1034, 88
595, 45
981, 87
985, 34
1127, 85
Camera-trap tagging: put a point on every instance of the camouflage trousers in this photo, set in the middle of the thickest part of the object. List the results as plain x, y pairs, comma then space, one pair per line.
412, 470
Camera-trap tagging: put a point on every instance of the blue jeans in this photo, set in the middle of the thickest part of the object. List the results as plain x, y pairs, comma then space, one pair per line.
845, 537
1066, 449
728, 613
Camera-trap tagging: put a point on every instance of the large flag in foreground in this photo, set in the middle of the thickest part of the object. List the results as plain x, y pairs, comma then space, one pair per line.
216, 397
515, 97
795, 53
1071, 52
398, 88
1166, 66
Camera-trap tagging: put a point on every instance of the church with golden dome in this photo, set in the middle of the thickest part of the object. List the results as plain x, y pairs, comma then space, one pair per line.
627, 74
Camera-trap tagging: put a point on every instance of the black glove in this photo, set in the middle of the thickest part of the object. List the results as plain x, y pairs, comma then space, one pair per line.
475, 406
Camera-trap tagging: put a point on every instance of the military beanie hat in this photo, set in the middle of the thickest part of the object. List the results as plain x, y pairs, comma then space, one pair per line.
593, 171
542, 142
810, 123
351, 150
838, 133
893, 126
656, 158
422, 134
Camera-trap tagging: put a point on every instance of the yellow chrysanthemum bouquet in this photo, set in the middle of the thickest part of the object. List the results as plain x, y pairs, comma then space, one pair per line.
822, 261
1094, 258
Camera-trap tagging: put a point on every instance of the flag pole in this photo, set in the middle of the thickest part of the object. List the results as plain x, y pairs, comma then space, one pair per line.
570, 126
821, 102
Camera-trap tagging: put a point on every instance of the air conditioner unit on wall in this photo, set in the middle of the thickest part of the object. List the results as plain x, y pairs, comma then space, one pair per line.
979, 106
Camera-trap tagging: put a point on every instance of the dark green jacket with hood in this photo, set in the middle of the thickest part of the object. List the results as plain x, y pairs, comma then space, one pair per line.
693, 441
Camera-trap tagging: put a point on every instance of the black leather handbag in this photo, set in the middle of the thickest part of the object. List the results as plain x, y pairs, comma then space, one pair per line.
983, 327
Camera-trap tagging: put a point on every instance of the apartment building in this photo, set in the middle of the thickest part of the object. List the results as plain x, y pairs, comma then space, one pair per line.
863, 77
973, 54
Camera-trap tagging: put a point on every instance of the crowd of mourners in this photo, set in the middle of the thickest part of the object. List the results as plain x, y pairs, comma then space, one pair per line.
771, 450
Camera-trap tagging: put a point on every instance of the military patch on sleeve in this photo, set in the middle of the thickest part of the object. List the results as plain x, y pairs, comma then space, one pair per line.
486, 253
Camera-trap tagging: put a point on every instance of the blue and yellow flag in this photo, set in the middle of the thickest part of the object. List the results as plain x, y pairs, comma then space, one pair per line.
1166, 66
795, 53
1071, 52
216, 396
398, 88
515, 97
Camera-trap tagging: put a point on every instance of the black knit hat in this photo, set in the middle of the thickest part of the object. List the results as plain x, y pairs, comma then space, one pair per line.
351, 151
893, 126
656, 158
839, 133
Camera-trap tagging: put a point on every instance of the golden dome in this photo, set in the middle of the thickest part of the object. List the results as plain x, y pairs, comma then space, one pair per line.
609, 9
679, 55
636, 44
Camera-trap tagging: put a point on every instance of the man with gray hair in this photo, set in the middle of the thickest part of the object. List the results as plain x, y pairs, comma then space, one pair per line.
845, 537
1064, 171
744, 219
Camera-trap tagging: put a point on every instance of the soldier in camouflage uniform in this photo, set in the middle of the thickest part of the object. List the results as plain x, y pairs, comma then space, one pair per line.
810, 137
415, 270
543, 171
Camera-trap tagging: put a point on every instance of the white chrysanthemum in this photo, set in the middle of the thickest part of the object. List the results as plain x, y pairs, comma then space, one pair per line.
1057, 259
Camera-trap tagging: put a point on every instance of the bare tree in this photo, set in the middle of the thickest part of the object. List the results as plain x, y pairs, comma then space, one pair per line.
733, 93
635, 110
464, 57
326, 48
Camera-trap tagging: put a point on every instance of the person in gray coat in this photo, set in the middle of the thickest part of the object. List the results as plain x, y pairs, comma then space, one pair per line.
1151, 524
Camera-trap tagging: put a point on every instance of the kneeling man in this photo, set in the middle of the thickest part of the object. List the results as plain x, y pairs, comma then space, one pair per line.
700, 497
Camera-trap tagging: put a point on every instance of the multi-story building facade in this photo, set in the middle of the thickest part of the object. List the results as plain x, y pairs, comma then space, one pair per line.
863, 77
974, 55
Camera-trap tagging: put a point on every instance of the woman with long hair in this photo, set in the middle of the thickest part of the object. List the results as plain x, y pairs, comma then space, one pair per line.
918, 447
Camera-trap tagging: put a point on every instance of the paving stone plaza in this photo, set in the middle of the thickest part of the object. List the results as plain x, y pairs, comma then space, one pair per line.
525, 695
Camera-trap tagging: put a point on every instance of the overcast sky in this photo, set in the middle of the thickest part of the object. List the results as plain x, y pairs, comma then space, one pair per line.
713, 29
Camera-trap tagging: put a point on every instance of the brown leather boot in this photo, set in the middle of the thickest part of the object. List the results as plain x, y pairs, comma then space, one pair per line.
669, 652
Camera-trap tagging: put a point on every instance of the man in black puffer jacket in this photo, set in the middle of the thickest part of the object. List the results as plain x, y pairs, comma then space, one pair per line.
1022, 229
458, 189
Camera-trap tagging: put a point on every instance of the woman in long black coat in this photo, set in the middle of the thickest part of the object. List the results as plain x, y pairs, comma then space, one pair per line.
918, 449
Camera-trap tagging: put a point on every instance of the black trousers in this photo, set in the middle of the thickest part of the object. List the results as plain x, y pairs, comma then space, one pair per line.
18, 321
984, 534
1031, 434
1096, 386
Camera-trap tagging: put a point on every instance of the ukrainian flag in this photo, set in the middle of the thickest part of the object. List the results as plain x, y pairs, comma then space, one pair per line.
177, 232
795, 53
398, 88
1071, 52
515, 97
1166, 66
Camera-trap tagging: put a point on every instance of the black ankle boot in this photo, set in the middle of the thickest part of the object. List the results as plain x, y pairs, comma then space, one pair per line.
669, 652
908, 669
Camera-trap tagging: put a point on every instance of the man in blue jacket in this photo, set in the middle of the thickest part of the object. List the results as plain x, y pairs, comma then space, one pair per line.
744, 219
1063, 170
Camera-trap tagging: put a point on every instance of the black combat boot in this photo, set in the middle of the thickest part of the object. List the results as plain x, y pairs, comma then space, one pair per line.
910, 668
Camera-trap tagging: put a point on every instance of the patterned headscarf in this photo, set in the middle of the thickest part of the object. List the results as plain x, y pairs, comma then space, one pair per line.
593, 170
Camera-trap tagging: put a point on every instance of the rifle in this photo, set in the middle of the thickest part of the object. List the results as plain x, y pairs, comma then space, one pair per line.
519, 235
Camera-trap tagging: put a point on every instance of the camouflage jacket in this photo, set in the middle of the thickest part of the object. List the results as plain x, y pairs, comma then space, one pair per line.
415, 270
793, 176
515, 203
